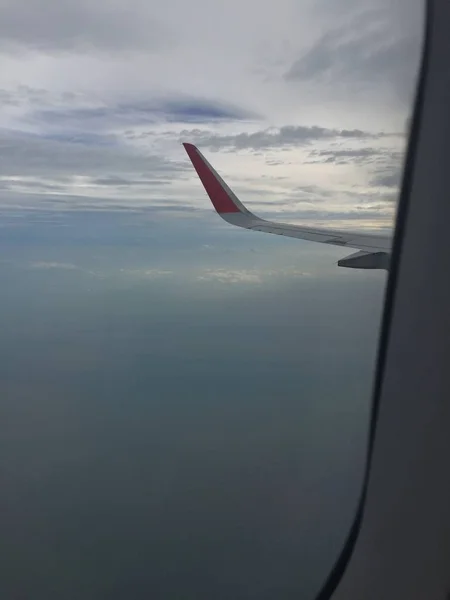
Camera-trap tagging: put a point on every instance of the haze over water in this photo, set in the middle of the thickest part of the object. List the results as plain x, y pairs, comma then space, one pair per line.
176, 431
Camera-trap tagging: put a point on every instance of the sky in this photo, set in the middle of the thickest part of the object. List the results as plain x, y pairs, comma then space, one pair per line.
305, 104
184, 404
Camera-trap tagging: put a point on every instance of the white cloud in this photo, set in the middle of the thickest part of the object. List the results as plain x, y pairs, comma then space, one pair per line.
53, 265
230, 276
147, 273
210, 274
252, 276
50, 265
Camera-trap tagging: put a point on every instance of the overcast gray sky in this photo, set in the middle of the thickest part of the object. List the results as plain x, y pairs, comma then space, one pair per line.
290, 96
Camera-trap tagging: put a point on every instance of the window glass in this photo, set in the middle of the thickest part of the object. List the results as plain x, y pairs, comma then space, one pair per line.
184, 403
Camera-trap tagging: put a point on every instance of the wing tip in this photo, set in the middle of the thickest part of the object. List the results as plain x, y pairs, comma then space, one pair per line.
192, 151
221, 198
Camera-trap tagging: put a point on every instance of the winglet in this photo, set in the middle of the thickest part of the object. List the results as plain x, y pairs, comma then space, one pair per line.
223, 199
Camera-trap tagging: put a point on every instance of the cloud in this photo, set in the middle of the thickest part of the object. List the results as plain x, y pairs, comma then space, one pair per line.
21, 95
344, 156
137, 113
96, 99
147, 273
212, 274
285, 136
304, 194
23, 154
149, 207
55, 26
136, 273
50, 265
197, 110
53, 265
373, 49
380, 158
349, 215
387, 178
54, 175
230, 276
117, 181
252, 276
93, 119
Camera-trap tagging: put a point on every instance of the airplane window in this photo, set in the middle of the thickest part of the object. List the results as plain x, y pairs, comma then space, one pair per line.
189, 333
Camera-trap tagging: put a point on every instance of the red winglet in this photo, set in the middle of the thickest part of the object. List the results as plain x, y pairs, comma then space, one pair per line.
218, 195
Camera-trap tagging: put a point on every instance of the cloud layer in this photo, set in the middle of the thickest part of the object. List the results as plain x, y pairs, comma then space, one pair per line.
55, 26
302, 105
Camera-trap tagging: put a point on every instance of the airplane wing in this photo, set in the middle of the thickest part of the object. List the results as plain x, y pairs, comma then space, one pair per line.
374, 250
